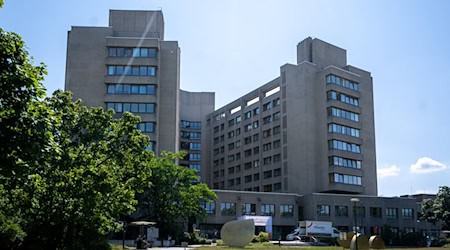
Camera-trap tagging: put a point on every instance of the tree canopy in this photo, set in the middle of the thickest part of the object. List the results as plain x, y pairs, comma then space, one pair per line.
173, 195
438, 209
66, 171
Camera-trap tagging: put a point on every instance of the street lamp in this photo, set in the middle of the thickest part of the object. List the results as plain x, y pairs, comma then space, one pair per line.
355, 200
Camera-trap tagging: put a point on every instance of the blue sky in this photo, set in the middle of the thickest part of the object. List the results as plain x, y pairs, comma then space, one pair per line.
233, 47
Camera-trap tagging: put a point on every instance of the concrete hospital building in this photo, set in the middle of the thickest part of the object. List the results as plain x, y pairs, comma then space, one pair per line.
297, 148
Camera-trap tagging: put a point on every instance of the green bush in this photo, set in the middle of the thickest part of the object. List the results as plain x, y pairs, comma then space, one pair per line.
261, 237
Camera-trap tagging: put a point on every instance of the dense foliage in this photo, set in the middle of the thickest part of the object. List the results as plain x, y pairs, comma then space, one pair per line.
173, 197
66, 171
438, 209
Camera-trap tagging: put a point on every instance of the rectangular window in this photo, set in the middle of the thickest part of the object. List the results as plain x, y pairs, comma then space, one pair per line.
343, 114
247, 178
323, 210
132, 107
267, 210
210, 207
375, 212
119, 70
276, 116
341, 129
267, 188
147, 127
248, 115
267, 174
228, 208
391, 213
248, 209
133, 89
267, 160
267, 106
407, 213
345, 146
267, 119
287, 210
277, 172
333, 95
341, 211
333, 79
272, 91
256, 111
252, 101
345, 179
266, 133
344, 162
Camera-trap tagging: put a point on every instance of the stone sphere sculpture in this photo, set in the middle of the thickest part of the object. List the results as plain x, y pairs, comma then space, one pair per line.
376, 242
363, 242
346, 240
238, 233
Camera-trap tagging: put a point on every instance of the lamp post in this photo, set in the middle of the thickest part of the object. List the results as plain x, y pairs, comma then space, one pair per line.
355, 200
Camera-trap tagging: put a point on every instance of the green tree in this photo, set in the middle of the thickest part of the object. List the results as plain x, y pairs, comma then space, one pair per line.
438, 209
66, 171
174, 195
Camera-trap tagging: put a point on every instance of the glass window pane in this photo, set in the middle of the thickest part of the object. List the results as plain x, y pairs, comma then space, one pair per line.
136, 52
149, 127
109, 105
144, 52
119, 70
135, 70
152, 53
112, 52
134, 107
143, 70
151, 89
118, 107
142, 89
111, 70
111, 89
127, 71
120, 52
150, 108
119, 89
126, 107
126, 89
141, 108
151, 71
128, 52
134, 89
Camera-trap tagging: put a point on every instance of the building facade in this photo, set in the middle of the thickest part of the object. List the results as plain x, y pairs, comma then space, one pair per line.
297, 148
309, 130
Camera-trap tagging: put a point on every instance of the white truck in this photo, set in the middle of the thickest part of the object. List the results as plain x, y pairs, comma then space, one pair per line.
313, 228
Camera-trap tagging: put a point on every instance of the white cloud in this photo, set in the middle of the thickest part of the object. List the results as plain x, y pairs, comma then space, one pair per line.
389, 171
426, 165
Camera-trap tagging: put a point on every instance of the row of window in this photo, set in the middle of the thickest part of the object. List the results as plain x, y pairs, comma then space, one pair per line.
346, 146
345, 179
341, 129
248, 114
332, 79
229, 208
375, 212
191, 145
190, 124
133, 89
147, 127
190, 135
119, 70
343, 114
196, 167
193, 157
344, 162
237, 181
131, 52
120, 107
333, 95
